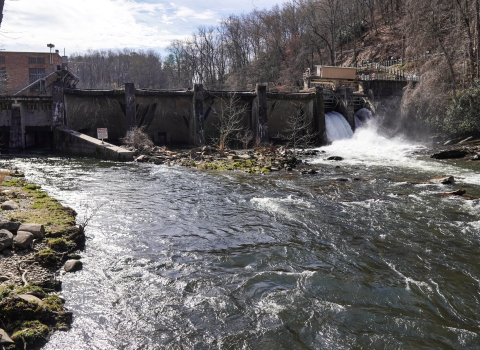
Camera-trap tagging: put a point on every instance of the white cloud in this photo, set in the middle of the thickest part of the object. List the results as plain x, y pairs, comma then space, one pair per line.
29, 25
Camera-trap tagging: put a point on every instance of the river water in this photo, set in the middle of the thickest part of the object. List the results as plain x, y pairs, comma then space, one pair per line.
362, 255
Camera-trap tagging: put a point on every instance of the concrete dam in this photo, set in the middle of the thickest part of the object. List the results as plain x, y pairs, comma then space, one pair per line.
182, 118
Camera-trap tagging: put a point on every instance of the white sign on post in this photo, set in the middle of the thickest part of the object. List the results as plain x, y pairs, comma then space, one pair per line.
102, 133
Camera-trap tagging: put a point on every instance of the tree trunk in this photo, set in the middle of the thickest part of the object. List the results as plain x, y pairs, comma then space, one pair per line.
477, 17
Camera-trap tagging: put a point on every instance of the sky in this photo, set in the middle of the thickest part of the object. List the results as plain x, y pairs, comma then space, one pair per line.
79, 25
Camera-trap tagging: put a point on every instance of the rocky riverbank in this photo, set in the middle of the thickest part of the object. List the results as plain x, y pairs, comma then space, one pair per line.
258, 161
457, 148
38, 236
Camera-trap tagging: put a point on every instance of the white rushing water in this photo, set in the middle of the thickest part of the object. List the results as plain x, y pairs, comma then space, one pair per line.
368, 147
337, 126
362, 117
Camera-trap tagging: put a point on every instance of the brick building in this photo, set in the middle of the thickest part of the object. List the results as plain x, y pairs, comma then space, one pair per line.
20, 69
32, 97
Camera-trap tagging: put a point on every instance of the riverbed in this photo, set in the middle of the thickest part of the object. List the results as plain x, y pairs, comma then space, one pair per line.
364, 254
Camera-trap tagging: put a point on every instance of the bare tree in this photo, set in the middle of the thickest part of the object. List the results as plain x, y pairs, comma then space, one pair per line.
138, 139
230, 115
299, 132
245, 137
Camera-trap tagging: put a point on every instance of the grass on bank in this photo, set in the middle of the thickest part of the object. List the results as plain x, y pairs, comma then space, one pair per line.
29, 322
45, 210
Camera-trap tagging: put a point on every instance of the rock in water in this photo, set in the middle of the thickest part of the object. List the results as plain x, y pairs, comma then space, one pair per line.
452, 154
4, 338
73, 265
23, 239
335, 158
454, 193
9, 205
448, 180
36, 229
6, 239
443, 180
141, 158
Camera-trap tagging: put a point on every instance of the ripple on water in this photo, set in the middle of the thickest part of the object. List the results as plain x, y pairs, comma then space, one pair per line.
180, 258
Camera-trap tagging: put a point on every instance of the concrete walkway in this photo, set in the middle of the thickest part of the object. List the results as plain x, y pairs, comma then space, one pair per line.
74, 142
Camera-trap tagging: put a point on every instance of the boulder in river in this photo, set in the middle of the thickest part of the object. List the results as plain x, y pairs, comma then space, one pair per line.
9, 205
337, 158
456, 193
6, 239
451, 154
73, 265
448, 180
309, 171
23, 239
36, 229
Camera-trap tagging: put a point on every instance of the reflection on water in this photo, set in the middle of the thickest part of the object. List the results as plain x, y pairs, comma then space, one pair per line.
185, 259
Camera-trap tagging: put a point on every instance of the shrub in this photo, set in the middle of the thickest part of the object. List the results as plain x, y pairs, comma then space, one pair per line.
138, 139
463, 115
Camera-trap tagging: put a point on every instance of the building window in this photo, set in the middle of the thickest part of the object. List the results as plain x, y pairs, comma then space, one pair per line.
36, 60
35, 74
2, 59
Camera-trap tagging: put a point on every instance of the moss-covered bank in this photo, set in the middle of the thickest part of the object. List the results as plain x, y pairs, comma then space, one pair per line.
29, 308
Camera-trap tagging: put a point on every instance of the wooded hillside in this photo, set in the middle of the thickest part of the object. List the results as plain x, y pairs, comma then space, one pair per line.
440, 39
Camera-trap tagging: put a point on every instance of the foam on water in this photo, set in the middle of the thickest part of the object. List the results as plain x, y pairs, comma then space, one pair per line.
368, 147
272, 204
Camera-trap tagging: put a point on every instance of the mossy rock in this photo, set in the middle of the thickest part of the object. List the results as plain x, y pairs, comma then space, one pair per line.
60, 244
14, 183
30, 333
31, 289
47, 257
265, 171
31, 187
14, 308
17, 174
6, 290
53, 303
73, 256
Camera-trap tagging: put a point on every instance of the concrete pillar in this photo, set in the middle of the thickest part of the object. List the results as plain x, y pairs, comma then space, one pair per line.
197, 133
306, 83
319, 117
346, 94
58, 103
16, 130
130, 107
260, 118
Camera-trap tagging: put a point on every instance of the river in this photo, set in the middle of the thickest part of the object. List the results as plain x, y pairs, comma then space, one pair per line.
362, 255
